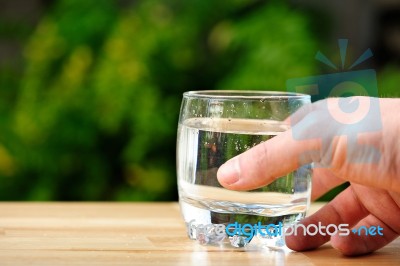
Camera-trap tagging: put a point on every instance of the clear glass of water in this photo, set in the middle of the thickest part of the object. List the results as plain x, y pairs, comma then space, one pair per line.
215, 126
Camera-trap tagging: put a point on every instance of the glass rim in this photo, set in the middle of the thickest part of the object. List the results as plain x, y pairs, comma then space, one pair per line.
245, 94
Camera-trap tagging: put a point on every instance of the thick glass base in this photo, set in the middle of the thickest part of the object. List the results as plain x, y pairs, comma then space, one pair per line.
222, 226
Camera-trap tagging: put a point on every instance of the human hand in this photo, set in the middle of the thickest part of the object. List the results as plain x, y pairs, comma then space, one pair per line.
373, 197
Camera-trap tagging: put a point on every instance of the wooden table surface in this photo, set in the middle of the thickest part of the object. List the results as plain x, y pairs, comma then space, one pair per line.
135, 234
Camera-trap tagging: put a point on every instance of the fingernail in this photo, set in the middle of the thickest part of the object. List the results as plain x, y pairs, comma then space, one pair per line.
229, 172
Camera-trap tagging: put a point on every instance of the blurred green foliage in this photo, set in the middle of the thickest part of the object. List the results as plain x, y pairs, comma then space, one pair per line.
94, 114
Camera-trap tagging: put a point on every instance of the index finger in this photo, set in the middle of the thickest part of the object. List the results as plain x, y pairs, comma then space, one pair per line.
267, 161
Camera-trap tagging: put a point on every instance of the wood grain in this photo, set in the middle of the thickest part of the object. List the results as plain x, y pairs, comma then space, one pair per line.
135, 234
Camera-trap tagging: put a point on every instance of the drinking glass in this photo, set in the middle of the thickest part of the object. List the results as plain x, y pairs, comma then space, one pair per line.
215, 126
